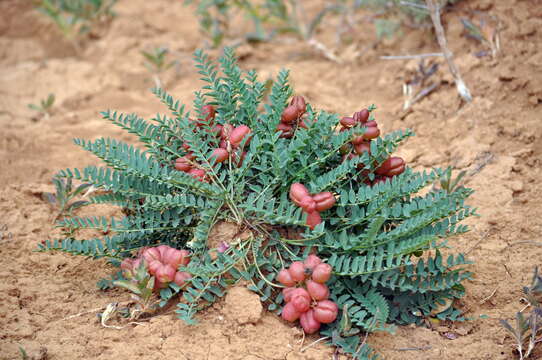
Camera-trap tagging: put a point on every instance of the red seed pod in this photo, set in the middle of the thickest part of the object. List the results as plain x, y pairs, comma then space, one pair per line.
154, 266
289, 115
297, 271
209, 112
321, 273
391, 163
181, 277
362, 147
152, 254
324, 201
302, 125
287, 293
290, 313
165, 273
361, 116
183, 164
325, 311
186, 146
172, 257
198, 174
300, 104
297, 192
284, 127
325, 204
287, 131
309, 324
285, 278
162, 249
238, 134
307, 204
301, 300
219, 155
316, 290
312, 261
396, 171
372, 131
348, 122
313, 219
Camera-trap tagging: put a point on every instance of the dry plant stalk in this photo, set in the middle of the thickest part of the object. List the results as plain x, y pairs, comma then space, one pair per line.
434, 10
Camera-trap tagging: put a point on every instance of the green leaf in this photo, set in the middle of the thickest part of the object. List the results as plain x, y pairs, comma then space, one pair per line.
128, 285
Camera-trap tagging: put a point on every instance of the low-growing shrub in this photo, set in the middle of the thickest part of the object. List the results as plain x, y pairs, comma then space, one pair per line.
298, 184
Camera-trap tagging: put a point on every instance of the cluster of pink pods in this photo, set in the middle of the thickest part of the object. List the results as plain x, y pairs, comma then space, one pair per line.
313, 205
306, 294
230, 140
162, 262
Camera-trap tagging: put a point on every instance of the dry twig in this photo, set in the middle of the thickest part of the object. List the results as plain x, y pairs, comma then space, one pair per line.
422, 348
328, 54
482, 238
434, 10
408, 57
489, 297
313, 343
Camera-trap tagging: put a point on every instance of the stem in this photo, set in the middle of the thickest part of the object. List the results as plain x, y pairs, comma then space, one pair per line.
260, 272
157, 82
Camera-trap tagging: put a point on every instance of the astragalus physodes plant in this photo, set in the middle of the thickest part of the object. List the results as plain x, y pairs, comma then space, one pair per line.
296, 184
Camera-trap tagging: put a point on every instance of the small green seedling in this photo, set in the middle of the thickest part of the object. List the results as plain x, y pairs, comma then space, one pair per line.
157, 62
45, 105
279, 16
75, 18
527, 327
24, 355
64, 195
447, 182
141, 284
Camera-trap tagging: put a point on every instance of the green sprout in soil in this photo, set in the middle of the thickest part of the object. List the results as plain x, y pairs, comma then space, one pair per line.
44, 107
75, 18
65, 193
528, 327
448, 183
157, 62
269, 18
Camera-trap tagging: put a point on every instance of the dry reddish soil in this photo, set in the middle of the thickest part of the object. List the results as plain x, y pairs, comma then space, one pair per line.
496, 138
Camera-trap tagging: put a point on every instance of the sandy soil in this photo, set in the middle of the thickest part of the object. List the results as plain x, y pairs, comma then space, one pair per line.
497, 138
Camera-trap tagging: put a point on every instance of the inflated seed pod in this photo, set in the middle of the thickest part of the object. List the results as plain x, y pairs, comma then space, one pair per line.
361, 116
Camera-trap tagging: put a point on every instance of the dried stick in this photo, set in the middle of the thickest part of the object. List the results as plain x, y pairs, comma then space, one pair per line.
328, 54
407, 57
434, 10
